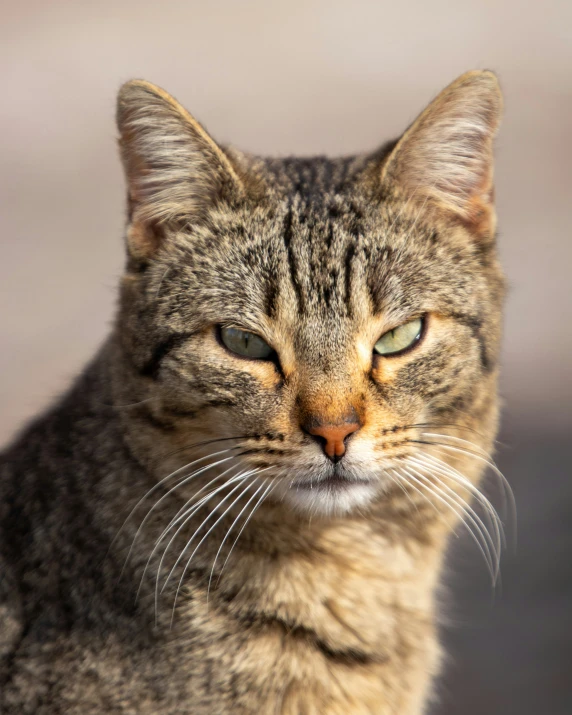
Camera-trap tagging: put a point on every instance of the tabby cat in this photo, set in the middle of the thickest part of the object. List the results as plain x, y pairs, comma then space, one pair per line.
242, 504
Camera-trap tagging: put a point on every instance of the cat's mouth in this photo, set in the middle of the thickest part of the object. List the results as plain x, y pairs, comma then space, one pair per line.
335, 479
330, 490
331, 485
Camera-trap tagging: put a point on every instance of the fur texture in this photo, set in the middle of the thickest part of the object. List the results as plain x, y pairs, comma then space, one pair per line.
325, 604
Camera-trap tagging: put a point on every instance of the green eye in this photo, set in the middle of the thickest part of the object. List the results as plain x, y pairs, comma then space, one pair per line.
400, 338
246, 344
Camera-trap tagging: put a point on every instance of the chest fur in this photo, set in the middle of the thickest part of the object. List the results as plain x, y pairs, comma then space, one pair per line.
331, 629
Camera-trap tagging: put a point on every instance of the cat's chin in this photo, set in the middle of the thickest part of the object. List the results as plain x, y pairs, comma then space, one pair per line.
330, 497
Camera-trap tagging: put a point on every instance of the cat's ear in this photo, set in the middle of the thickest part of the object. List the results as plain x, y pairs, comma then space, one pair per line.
445, 159
174, 169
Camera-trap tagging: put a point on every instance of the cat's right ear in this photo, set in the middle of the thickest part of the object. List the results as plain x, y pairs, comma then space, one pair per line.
444, 160
175, 171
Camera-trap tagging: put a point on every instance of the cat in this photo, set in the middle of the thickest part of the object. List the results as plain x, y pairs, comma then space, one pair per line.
243, 503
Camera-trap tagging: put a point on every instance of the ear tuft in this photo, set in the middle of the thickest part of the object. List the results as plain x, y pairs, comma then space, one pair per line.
174, 169
445, 158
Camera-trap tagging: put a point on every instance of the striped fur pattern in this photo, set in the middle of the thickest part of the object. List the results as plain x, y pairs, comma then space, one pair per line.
174, 539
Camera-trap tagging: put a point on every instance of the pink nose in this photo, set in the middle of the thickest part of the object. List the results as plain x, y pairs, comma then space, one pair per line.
332, 437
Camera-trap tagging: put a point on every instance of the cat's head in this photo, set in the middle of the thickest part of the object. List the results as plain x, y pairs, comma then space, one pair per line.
318, 318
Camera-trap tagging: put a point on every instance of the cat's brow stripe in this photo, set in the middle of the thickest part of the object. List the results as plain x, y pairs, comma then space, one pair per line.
475, 324
271, 298
287, 234
145, 413
151, 367
350, 253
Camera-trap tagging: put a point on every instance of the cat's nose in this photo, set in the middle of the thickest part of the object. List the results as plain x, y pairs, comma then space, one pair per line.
332, 437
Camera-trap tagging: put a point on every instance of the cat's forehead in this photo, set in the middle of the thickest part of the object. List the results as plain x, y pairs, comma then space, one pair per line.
313, 179
326, 245
321, 250
311, 247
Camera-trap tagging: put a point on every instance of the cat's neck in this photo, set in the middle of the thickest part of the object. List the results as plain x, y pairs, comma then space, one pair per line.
337, 600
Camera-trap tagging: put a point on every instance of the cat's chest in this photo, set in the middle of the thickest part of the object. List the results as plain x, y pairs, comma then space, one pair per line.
311, 633
347, 590
327, 632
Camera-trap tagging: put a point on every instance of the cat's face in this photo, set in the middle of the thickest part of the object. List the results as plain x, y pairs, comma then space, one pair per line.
318, 318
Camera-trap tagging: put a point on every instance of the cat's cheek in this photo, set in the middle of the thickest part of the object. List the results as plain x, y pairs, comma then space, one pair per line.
387, 384
394, 403
266, 374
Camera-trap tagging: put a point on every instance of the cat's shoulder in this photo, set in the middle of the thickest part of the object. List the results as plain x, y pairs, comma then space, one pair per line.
11, 617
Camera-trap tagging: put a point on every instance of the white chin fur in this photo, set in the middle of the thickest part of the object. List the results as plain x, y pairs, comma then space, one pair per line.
329, 501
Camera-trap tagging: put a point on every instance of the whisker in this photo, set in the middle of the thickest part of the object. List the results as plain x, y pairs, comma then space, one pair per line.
450, 425
183, 512
165, 274
441, 517
203, 443
128, 404
404, 479
493, 546
463, 450
454, 473
400, 485
240, 513
238, 478
437, 435
507, 490
253, 471
267, 492
134, 509
437, 465
506, 494
186, 506
162, 481
185, 518
159, 501
441, 496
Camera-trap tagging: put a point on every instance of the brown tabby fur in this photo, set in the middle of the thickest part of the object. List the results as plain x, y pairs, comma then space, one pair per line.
327, 603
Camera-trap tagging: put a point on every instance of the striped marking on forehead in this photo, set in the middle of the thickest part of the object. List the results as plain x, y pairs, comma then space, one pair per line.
321, 249
314, 179
321, 229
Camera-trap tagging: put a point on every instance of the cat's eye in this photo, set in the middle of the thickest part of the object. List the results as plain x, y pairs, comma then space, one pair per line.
400, 338
246, 344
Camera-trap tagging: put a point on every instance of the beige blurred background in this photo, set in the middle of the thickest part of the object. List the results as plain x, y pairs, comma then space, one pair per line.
271, 77
302, 77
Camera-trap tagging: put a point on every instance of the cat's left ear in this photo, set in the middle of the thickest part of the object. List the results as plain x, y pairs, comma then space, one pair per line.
444, 161
175, 171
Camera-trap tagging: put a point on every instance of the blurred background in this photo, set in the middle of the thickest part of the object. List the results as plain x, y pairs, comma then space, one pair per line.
311, 77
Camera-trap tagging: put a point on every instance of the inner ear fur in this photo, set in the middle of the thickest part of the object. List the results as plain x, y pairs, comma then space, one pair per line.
175, 171
444, 161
